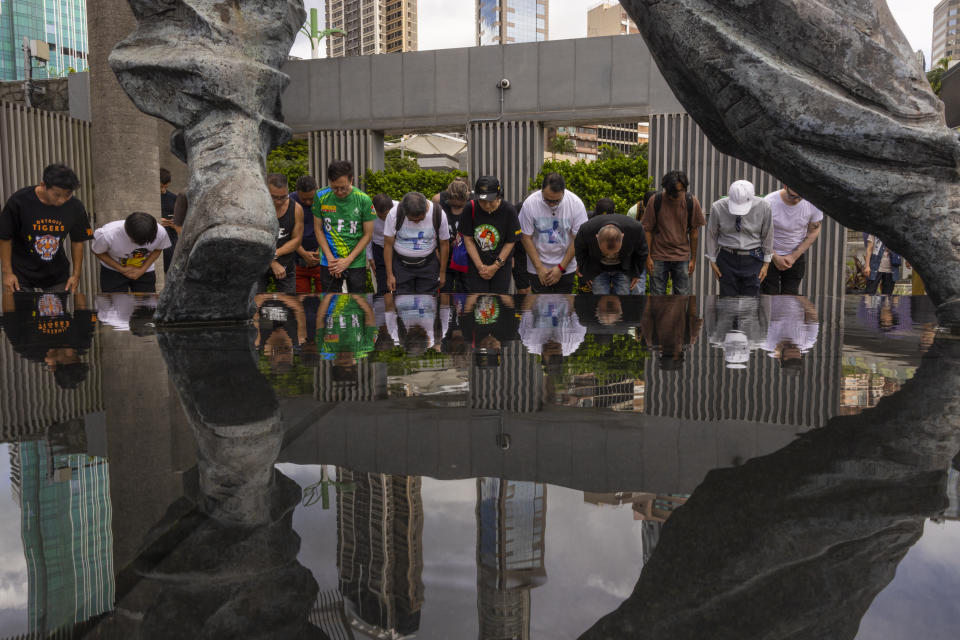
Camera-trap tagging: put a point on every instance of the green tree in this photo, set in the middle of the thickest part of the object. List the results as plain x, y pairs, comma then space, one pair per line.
935, 75
608, 152
623, 179
392, 161
640, 151
623, 358
290, 159
561, 143
397, 183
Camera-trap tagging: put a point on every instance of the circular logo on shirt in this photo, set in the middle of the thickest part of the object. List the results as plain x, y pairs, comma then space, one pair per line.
487, 310
50, 305
487, 237
46, 247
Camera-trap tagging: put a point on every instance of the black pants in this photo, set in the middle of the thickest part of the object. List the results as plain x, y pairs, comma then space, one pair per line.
423, 278
380, 268
499, 283
115, 282
564, 285
284, 285
740, 275
355, 277
455, 282
885, 280
786, 282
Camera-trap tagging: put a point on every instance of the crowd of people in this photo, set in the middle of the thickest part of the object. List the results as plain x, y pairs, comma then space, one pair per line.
465, 239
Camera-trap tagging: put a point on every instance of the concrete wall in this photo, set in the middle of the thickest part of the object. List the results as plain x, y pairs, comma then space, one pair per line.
584, 80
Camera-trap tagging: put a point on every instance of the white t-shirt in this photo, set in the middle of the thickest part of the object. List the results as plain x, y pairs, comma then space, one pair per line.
552, 230
790, 222
788, 324
417, 311
415, 239
552, 319
115, 310
113, 240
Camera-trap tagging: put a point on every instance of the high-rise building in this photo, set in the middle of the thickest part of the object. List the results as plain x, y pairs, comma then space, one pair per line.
66, 526
372, 26
62, 24
611, 19
507, 21
946, 23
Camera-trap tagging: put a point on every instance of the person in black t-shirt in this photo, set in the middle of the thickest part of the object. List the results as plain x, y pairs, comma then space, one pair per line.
290, 218
453, 201
167, 201
488, 321
41, 328
490, 230
33, 224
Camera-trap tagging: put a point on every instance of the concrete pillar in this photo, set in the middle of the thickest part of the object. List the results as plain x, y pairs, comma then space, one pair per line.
512, 151
362, 147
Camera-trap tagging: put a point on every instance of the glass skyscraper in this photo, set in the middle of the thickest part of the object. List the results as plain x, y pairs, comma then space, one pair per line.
506, 21
62, 24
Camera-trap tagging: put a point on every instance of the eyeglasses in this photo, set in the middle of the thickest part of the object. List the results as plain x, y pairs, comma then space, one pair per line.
553, 203
279, 198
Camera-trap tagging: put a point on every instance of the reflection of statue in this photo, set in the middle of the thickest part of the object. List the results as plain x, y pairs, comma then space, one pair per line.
827, 96
226, 558
212, 70
799, 542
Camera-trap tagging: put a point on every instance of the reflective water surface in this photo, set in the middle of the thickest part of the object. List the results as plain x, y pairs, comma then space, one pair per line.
484, 467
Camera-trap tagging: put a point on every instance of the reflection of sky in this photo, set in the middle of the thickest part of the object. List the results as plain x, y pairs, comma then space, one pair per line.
921, 601
13, 565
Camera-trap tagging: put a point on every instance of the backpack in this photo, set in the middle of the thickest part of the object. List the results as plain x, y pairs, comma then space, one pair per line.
658, 201
437, 212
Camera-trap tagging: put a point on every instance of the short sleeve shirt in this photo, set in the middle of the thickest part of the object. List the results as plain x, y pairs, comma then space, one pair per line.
37, 232
552, 229
113, 240
415, 239
343, 220
790, 222
669, 229
490, 231
41, 322
345, 329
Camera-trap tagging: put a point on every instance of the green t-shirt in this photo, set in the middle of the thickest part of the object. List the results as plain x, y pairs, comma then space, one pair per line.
343, 220
344, 329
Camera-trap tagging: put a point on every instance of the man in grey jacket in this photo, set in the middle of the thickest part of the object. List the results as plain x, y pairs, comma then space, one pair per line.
739, 242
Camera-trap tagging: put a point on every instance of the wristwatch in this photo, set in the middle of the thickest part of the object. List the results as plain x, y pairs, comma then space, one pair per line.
499, 262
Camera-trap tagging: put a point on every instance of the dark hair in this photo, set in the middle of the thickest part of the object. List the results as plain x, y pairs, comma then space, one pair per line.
141, 227
141, 322
412, 205
60, 175
646, 198
306, 183
672, 179
69, 376
604, 206
338, 169
382, 202
555, 181
278, 180
415, 341
165, 176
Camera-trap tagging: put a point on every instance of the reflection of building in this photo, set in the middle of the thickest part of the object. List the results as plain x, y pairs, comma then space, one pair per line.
372, 26
511, 523
586, 391
379, 550
651, 510
62, 24
861, 391
506, 21
516, 385
67, 537
368, 381
953, 494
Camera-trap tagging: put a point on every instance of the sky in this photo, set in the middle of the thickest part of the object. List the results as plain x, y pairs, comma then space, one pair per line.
445, 24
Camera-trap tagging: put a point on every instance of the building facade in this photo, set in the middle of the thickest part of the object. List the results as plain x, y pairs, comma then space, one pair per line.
372, 26
508, 21
62, 24
946, 22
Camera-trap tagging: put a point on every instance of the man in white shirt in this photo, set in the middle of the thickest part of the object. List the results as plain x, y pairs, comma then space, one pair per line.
127, 250
549, 221
796, 225
412, 233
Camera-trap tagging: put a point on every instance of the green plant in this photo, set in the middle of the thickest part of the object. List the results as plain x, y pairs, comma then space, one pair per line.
398, 183
296, 381
935, 75
623, 178
623, 358
393, 161
399, 363
561, 143
290, 159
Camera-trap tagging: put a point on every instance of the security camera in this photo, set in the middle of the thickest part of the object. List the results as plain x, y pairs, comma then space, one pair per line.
503, 84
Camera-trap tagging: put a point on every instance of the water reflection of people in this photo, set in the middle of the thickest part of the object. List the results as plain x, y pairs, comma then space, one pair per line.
348, 333
414, 322
41, 328
671, 325
549, 327
738, 326
488, 321
798, 543
282, 328
793, 330
127, 312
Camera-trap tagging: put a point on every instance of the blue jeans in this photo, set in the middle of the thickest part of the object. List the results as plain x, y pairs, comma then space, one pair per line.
663, 270
611, 282
641, 288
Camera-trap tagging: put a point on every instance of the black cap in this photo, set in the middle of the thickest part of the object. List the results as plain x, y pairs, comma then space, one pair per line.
488, 188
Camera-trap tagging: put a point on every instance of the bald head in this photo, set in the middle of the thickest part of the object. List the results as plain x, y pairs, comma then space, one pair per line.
610, 239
